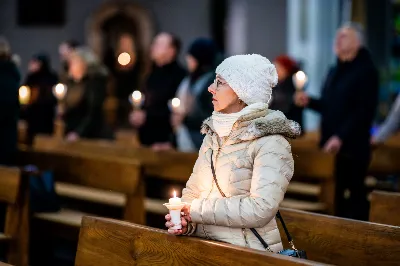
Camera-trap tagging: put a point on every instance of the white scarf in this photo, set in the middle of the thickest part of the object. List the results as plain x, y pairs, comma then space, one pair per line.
223, 123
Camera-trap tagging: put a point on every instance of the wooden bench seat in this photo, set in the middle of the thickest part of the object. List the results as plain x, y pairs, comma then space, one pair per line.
341, 241
385, 207
116, 243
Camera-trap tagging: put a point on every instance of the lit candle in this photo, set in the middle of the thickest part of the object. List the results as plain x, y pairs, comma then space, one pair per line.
136, 99
124, 59
299, 80
175, 200
24, 93
175, 206
59, 91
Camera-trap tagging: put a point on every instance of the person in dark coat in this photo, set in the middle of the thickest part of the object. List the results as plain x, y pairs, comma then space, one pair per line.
9, 105
193, 92
283, 92
153, 121
85, 97
40, 113
347, 107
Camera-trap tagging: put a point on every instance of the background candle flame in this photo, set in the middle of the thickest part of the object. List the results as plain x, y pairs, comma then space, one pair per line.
174, 194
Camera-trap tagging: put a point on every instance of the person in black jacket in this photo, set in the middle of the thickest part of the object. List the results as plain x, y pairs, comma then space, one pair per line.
347, 107
85, 96
40, 113
153, 121
9, 105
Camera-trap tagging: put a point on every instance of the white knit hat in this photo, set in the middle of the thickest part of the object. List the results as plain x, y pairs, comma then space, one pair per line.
251, 77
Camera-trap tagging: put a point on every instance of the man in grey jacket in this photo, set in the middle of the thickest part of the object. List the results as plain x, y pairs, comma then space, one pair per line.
391, 124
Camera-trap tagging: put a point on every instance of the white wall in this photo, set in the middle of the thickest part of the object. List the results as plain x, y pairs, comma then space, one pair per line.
257, 26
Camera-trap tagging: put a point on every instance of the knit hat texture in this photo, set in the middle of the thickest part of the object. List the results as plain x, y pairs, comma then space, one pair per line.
251, 77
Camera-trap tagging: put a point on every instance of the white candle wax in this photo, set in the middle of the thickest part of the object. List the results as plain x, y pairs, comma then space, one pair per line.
175, 200
176, 219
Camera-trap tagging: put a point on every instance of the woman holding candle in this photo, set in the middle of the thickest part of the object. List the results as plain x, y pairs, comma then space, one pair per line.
282, 94
246, 147
85, 96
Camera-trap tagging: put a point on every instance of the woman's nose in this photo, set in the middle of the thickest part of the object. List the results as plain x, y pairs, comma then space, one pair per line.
211, 89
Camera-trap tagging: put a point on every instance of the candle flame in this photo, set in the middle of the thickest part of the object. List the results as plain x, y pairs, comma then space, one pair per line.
24, 94
136, 96
174, 194
300, 75
175, 102
59, 91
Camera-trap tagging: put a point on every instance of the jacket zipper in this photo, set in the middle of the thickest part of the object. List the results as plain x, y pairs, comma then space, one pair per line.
212, 184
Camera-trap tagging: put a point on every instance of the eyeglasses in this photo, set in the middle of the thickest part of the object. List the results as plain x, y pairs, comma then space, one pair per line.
218, 84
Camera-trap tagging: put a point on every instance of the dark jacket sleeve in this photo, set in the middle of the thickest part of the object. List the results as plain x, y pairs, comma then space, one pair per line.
365, 93
96, 89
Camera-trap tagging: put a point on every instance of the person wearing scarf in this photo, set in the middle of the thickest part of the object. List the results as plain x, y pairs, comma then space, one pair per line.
247, 144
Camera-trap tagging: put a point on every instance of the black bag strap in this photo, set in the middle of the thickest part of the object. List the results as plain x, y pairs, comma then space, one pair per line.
278, 214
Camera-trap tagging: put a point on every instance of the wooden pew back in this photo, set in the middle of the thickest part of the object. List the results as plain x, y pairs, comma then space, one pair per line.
178, 166
109, 242
385, 208
13, 192
96, 171
341, 241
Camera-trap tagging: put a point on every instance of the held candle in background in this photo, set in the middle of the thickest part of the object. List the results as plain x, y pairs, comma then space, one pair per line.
299, 80
24, 93
136, 99
59, 91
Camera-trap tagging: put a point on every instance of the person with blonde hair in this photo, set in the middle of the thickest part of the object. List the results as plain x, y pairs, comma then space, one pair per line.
85, 96
245, 163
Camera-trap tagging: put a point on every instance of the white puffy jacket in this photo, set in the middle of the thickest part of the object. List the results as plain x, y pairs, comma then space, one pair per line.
253, 167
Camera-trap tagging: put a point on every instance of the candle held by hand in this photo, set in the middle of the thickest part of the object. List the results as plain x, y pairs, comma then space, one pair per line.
299, 80
59, 91
175, 200
24, 94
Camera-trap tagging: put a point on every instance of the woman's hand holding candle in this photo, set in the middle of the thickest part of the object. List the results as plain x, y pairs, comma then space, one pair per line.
185, 219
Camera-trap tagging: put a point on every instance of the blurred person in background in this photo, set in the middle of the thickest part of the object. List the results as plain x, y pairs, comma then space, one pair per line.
65, 50
391, 124
40, 112
347, 107
153, 121
86, 93
9, 104
193, 92
282, 94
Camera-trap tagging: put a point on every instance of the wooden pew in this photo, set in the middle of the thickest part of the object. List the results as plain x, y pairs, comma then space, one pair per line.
5, 264
385, 208
177, 166
13, 192
75, 172
109, 242
341, 241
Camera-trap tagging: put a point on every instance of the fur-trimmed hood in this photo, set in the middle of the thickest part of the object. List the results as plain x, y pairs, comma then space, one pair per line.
257, 124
